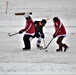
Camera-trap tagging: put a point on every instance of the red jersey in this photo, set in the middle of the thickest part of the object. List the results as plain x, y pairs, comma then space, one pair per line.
29, 28
59, 29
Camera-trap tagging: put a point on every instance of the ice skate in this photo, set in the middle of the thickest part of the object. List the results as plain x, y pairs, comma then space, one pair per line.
66, 48
58, 50
26, 49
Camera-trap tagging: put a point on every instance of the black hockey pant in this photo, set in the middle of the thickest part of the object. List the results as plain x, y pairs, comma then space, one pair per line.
59, 42
37, 35
27, 41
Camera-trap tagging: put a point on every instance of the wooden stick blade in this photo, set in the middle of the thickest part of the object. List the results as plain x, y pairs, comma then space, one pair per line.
9, 35
48, 19
22, 13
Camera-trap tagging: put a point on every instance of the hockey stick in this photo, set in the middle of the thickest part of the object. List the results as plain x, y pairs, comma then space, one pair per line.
50, 41
48, 19
48, 44
44, 45
12, 34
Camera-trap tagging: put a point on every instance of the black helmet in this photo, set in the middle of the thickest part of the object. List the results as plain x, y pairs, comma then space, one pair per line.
44, 21
55, 19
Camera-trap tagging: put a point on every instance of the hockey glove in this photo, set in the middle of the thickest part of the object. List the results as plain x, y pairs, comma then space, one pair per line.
21, 31
42, 36
54, 35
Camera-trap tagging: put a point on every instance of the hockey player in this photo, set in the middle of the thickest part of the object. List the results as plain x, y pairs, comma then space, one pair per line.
39, 31
29, 32
60, 32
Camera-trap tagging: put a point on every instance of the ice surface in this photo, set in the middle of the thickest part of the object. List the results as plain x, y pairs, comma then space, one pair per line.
15, 61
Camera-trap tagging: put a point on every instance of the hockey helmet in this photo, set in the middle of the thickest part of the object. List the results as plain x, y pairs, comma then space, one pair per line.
27, 16
44, 21
55, 19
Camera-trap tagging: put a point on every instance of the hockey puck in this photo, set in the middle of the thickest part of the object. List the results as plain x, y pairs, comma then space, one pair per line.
46, 50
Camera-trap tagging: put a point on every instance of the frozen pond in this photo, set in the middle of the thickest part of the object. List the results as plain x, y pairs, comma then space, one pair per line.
15, 61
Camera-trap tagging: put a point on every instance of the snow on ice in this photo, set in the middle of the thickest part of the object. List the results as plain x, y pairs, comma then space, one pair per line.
15, 61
